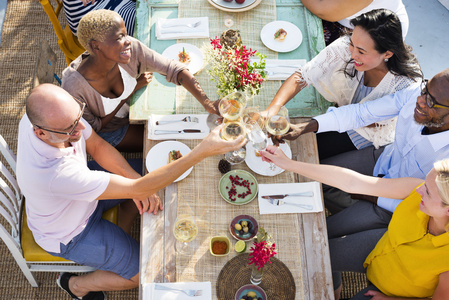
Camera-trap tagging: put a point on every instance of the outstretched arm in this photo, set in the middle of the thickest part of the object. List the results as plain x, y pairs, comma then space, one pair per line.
292, 86
187, 80
342, 178
141, 188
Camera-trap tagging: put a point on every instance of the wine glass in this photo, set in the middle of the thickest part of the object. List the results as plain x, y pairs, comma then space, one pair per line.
231, 131
231, 107
251, 114
258, 138
278, 122
185, 231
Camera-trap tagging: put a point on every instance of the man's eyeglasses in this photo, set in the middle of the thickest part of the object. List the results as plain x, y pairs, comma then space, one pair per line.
74, 125
430, 100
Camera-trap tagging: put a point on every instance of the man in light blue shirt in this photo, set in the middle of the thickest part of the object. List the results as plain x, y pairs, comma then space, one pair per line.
421, 135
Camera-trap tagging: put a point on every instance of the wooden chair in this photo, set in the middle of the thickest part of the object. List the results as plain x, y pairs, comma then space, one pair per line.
29, 256
66, 40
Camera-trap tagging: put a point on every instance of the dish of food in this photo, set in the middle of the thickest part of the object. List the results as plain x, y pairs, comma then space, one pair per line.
219, 246
257, 165
193, 57
158, 156
244, 227
184, 56
280, 34
234, 5
238, 187
272, 33
252, 292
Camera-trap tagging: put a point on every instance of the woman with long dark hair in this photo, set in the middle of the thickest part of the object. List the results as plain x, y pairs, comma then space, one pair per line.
370, 63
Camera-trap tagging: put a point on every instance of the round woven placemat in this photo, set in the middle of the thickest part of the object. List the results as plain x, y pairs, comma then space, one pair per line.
277, 280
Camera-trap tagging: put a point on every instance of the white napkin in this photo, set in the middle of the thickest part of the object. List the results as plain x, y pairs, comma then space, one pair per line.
202, 125
287, 188
165, 29
282, 68
152, 294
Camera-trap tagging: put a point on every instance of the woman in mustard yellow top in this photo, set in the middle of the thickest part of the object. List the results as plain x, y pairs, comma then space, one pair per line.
410, 260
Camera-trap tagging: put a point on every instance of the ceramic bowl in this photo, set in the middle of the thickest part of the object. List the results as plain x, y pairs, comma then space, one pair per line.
244, 290
245, 236
221, 239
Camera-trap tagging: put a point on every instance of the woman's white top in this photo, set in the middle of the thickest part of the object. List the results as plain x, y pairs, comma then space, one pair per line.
326, 73
395, 6
129, 83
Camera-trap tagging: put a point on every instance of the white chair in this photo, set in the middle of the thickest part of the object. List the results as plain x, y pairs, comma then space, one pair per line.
29, 256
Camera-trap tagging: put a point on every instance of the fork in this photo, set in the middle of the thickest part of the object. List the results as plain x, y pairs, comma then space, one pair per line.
190, 293
191, 25
186, 119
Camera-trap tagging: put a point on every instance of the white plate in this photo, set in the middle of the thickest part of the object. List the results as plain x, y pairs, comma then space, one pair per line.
233, 4
256, 164
291, 42
196, 57
158, 156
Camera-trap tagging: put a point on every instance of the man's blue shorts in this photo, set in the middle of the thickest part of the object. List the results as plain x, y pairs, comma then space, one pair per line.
114, 137
103, 245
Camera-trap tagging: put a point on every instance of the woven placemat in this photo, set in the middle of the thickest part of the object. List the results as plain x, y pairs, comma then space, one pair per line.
277, 280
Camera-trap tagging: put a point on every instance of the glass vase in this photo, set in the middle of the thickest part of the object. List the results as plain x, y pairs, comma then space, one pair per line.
256, 275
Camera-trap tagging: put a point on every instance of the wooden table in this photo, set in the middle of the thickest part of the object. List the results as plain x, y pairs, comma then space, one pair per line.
158, 257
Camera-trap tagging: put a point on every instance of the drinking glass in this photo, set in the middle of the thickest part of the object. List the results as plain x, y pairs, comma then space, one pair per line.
278, 122
185, 231
231, 131
231, 107
251, 114
258, 138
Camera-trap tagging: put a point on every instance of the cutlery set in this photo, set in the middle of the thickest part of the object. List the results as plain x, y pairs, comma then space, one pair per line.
190, 293
276, 199
187, 119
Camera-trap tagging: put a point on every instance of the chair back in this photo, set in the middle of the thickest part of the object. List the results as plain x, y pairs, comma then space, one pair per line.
10, 197
68, 43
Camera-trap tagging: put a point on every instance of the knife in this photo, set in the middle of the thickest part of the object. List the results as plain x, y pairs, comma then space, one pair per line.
303, 194
177, 131
278, 202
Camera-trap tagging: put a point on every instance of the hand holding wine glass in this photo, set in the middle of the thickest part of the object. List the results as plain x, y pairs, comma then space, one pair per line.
278, 122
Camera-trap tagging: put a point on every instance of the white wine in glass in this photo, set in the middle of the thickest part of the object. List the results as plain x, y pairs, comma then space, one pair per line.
278, 122
232, 130
231, 107
185, 231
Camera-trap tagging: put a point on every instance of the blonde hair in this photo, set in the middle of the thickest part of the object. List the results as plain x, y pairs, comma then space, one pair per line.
95, 25
442, 179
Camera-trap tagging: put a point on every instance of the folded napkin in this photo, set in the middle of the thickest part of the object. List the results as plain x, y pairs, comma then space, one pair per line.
202, 125
281, 69
150, 293
170, 29
288, 188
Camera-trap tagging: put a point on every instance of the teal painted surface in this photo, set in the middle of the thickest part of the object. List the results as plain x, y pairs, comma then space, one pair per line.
307, 103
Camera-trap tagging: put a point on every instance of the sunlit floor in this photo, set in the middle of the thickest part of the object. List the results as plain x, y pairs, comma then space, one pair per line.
428, 34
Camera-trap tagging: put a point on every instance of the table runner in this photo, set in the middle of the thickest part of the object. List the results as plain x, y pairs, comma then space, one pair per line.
198, 195
250, 23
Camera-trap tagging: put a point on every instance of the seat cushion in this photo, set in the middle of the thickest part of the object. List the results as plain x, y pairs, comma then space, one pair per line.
33, 252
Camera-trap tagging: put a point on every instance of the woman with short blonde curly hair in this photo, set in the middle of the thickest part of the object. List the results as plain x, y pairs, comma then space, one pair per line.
114, 66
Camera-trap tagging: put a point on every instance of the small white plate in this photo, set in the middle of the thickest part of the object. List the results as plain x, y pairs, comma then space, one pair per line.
260, 167
196, 57
232, 4
291, 42
158, 156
